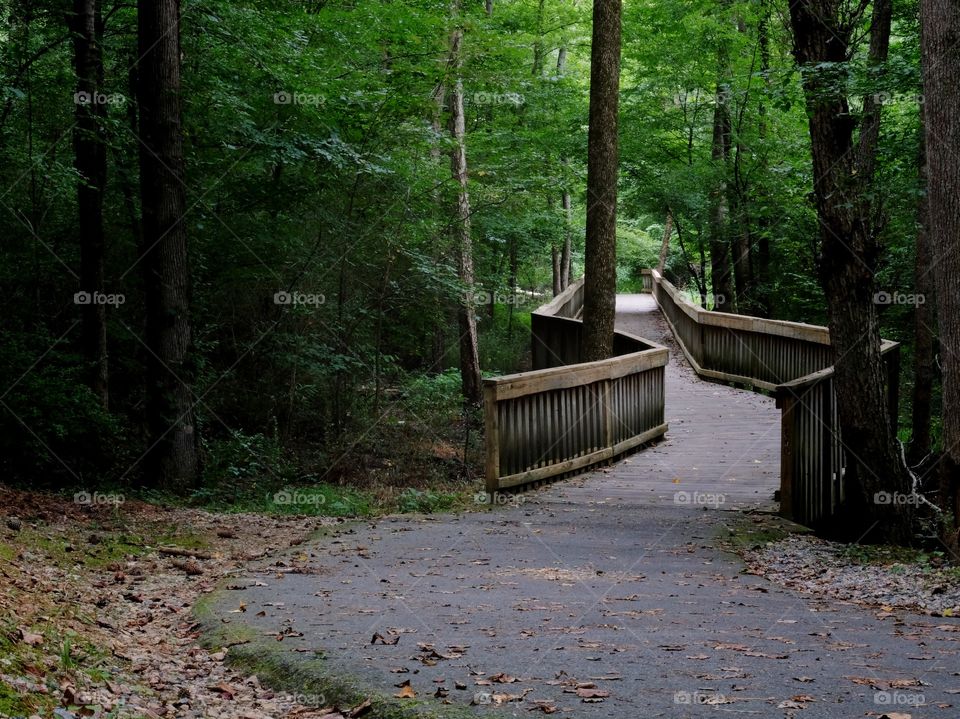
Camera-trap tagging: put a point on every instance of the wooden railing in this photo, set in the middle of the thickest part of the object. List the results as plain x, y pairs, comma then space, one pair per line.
565, 416
792, 361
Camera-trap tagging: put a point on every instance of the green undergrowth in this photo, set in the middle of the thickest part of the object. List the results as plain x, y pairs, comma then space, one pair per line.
934, 563
326, 500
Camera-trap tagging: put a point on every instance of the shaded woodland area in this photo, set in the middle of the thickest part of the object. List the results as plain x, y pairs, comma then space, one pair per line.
255, 244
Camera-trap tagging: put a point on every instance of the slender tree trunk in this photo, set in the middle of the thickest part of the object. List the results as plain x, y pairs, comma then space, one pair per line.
941, 68
90, 162
739, 228
538, 49
764, 294
848, 256
720, 255
566, 250
171, 460
739, 199
600, 286
877, 56
438, 339
469, 356
721, 277
555, 263
924, 320
665, 244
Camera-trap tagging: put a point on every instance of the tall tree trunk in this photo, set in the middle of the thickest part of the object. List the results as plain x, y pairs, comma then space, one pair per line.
721, 277
566, 250
90, 162
665, 244
466, 314
739, 200
555, 264
764, 294
438, 340
848, 254
600, 286
538, 49
720, 256
941, 68
924, 319
171, 460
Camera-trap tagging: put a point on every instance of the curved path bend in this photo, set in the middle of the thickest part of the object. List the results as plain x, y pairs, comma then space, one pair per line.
604, 580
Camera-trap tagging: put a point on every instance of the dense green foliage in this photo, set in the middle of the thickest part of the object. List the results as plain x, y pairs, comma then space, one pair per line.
314, 168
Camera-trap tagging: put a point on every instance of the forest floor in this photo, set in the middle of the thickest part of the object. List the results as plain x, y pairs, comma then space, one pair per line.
97, 601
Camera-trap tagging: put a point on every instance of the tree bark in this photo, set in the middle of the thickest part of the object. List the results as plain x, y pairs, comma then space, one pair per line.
600, 285
665, 244
555, 263
848, 254
720, 270
566, 250
941, 68
470, 377
171, 460
90, 162
764, 293
924, 321
538, 49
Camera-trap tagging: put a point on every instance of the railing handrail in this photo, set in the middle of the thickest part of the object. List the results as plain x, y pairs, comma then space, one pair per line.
593, 411
809, 380
781, 328
524, 383
794, 362
552, 307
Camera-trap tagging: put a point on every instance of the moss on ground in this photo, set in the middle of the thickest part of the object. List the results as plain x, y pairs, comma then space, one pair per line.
274, 666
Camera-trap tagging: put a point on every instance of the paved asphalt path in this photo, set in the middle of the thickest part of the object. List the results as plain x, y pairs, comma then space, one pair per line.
591, 582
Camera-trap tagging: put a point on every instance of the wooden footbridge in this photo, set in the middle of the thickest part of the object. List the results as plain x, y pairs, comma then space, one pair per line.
746, 406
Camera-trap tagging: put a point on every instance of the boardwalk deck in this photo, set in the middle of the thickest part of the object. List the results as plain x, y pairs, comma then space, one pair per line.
722, 440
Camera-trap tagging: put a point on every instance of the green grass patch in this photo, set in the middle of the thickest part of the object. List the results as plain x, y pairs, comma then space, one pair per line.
934, 563
744, 533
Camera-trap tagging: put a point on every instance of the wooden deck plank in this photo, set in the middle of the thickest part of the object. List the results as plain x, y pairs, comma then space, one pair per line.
721, 441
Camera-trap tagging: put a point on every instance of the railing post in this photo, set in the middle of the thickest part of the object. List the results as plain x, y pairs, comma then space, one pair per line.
491, 422
607, 414
787, 403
